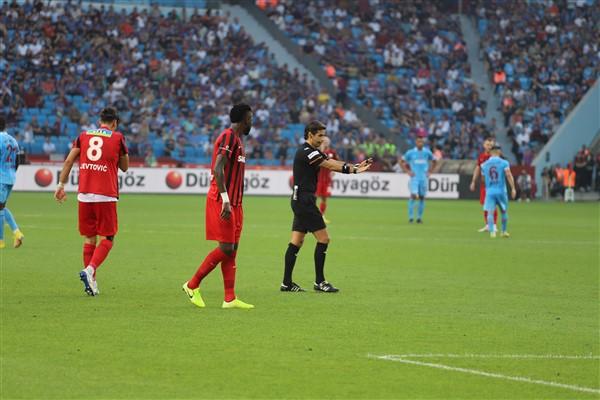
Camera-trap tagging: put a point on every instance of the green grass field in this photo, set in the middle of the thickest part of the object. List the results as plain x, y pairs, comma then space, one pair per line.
521, 308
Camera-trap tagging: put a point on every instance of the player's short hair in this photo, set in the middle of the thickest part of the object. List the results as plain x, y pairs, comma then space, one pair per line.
489, 138
109, 114
496, 147
238, 111
313, 127
2, 122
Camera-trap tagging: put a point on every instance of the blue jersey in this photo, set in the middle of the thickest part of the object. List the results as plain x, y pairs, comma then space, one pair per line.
8, 158
418, 160
493, 171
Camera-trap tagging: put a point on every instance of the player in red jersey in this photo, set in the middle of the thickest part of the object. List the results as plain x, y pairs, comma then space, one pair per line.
224, 214
483, 157
101, 152
324, 179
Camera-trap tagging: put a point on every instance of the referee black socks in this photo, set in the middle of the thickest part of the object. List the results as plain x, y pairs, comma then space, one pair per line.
320, 253
290, 261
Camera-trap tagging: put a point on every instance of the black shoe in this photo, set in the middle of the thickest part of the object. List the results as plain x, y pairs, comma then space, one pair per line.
325, 287
410, 221
293, 287
419, 221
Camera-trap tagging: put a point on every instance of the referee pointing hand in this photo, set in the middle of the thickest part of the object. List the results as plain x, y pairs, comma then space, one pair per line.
307, 217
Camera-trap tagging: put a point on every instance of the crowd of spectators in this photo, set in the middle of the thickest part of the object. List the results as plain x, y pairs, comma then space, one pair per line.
542, 57
404, 60
172, 77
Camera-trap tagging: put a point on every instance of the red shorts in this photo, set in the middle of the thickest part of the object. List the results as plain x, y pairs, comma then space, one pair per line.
482, 195
98, 218
221, 230
323, 188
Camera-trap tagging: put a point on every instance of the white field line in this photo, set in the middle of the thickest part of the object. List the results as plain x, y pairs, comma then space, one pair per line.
489, 374
484, 356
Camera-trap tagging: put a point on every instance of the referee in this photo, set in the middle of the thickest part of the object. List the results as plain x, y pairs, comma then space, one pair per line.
307, 217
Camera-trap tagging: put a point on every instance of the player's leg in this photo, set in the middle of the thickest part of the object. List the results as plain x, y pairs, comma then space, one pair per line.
10, 220
503, 205
489, 206
107, 226
228, 266
321, 283
422, 194
296, 242
414, 192
4, 189
482, 196
87, 229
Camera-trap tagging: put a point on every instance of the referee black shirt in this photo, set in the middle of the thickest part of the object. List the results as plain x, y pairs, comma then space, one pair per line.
306, 168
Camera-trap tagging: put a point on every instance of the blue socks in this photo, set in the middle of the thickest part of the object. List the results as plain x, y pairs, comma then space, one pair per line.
411, 210
421, 209
504, 221
490, 221
10, 220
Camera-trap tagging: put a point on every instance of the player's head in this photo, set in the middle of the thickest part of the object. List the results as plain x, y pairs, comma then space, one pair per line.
241, 114
488, 143
110, 117
2, 123
420, 142
315, 133
496, 150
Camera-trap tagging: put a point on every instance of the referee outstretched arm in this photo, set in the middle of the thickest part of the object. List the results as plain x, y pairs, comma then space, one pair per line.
307, 217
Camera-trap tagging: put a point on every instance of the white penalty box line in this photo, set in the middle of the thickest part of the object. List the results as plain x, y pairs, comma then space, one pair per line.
405, 359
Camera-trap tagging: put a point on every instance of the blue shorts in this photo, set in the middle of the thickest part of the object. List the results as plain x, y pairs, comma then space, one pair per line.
418, 186
495, 199
5, 192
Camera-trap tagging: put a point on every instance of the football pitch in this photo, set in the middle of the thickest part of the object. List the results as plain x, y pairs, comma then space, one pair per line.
425, 311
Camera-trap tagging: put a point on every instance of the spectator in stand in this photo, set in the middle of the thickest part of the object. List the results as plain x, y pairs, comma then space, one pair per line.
49, 146
597, 173
150, 159
524, 185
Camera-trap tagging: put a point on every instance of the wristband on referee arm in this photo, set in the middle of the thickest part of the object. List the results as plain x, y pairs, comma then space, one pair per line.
345, 169
225, 197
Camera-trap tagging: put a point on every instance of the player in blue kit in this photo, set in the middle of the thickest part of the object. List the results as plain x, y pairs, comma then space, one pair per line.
9, 150
496, 171
418, 163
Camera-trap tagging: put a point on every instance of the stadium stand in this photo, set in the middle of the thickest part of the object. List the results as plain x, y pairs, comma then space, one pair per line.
173, 78
542, 57
406, 62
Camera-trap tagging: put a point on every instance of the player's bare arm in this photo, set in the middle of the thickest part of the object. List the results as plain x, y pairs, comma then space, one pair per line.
60, 194
344, 167
511, 182
220, 165
124, 162
476, 173
406, 168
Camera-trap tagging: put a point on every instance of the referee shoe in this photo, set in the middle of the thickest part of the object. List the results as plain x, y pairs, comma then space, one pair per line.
292, 287
325, 287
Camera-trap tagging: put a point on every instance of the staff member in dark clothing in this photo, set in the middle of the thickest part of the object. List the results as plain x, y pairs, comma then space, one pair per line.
307, 217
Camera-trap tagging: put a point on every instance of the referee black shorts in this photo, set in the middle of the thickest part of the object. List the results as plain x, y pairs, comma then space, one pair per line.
307, 217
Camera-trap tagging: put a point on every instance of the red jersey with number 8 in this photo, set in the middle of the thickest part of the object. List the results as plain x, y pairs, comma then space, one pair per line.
100, 151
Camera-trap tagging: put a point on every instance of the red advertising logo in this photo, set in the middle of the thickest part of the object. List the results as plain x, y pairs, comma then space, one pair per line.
174, 179
43, 177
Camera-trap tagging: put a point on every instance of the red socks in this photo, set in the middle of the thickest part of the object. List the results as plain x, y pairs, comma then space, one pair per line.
323, 207
228, 270
210, 262
88, 252
485, 214
100, 254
